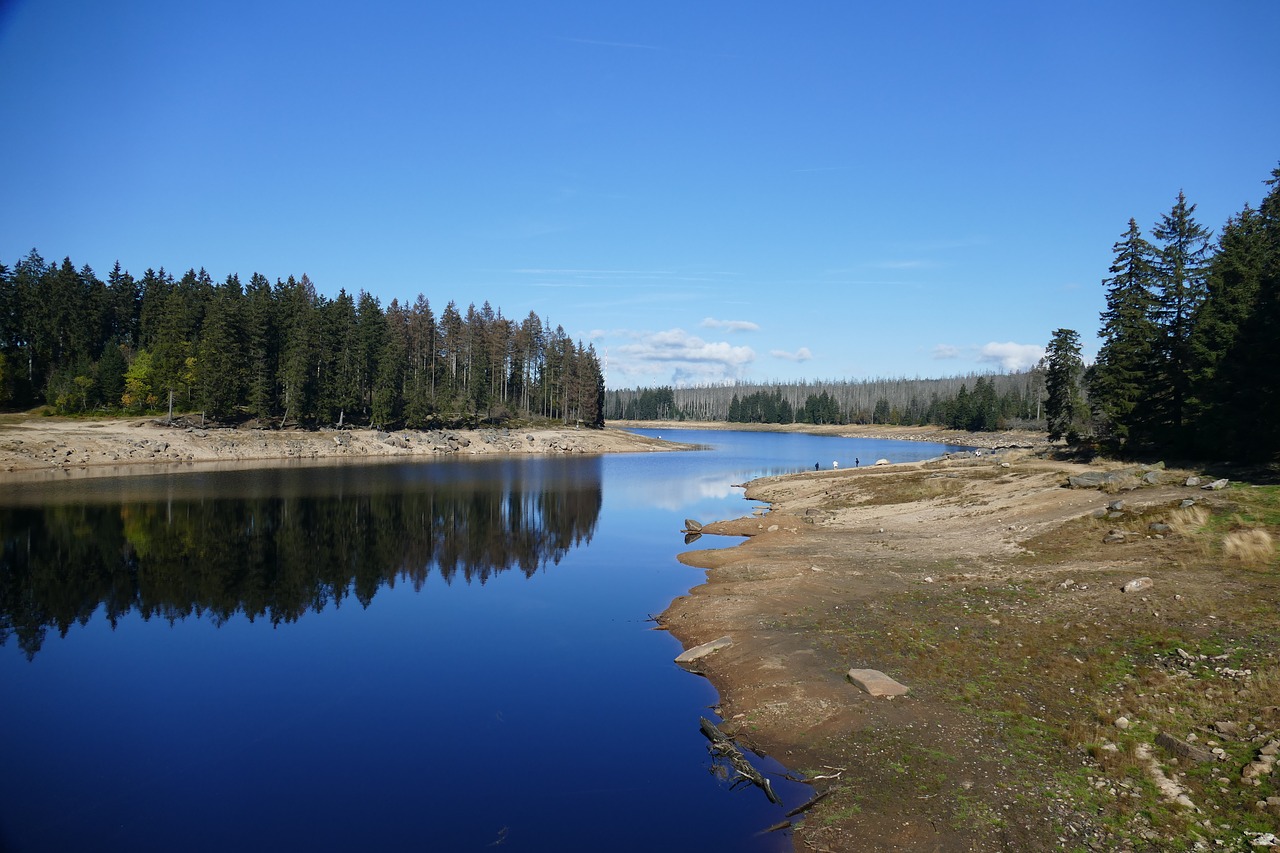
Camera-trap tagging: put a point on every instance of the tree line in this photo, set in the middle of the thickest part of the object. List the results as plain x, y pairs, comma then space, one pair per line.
976, 402
279, 353
1190, 355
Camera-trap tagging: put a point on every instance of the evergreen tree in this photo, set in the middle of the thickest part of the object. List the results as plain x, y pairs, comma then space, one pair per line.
1252, 364
222, 372
1180, 268
261, 347
1065, 410
1120, 379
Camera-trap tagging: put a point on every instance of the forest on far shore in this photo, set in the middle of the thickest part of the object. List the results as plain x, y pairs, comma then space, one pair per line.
278, 354
1189, 362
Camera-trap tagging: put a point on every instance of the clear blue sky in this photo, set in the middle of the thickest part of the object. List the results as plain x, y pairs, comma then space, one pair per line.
705, 191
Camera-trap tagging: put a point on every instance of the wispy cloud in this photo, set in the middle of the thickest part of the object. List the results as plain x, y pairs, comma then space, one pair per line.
730, 325
946, 351
689, 358
799, 355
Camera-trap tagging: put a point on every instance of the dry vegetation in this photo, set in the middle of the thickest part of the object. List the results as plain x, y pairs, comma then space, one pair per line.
1039, 688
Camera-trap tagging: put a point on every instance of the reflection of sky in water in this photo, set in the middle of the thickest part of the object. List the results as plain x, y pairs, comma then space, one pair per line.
708, 479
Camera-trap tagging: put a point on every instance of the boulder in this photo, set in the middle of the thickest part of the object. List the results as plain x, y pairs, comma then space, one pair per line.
1216, 485
876, 683
1138, 585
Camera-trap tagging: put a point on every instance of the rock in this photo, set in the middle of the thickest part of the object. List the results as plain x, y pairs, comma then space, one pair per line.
1087, 480
882, 462
1138, 585
1157, 527
1115, 536
1187, 504
1216, 485
698, 652
1227, 727
1116, 506
1182, 749
876, 683
1152, 478
1122, 723
1192, 481
692, 526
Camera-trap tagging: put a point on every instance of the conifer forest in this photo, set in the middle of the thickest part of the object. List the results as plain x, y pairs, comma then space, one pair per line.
278, 354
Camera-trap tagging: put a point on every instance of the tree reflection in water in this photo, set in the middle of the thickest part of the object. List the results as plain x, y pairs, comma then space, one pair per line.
272, 557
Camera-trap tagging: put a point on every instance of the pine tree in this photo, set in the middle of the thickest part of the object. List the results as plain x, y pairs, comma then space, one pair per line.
1120, 379
1180, 269
1065, 410
1255, 360
1218, 366
221, 369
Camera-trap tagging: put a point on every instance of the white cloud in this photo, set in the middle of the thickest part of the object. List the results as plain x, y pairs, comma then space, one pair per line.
690, 359
944, 351
1011, 356
730, 325
801, 354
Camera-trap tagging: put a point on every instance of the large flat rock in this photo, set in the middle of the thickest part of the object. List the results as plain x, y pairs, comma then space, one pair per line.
697, 652
876, 683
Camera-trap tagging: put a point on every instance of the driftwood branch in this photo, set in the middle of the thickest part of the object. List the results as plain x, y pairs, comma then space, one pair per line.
723, 746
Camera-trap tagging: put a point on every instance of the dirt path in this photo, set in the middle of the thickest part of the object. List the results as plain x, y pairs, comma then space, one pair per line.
986, 587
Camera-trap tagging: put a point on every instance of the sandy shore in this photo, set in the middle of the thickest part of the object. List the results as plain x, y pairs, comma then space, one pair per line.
56, 448
1038, 686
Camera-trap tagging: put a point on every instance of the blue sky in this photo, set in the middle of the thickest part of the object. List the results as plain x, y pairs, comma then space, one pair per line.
706, 191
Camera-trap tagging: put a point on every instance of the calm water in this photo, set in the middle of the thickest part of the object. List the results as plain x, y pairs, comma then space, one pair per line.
443, 656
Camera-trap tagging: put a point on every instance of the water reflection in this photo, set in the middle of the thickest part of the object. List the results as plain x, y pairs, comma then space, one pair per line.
288, 549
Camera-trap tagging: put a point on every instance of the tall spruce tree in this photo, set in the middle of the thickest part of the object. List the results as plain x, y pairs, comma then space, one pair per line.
1065, 410
1180, 271
1255, 360
1219, 365
1120, 378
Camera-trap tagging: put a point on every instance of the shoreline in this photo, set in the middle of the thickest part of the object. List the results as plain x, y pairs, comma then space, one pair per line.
49, 449
998, 596
1016, 439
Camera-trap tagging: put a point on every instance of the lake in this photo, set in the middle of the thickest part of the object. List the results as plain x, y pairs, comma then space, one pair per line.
448, 655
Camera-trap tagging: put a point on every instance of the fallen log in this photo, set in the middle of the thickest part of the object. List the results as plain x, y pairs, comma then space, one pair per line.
722, 746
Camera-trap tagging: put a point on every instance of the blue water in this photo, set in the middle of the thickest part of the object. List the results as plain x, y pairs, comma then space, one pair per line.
434, 656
